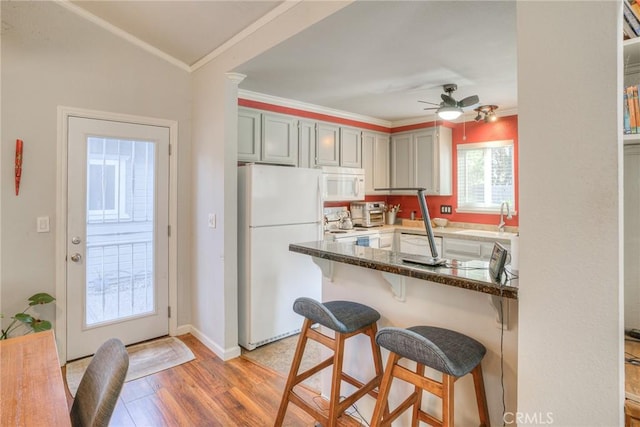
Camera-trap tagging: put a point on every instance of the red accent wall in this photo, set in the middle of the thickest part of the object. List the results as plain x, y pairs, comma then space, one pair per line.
503, 128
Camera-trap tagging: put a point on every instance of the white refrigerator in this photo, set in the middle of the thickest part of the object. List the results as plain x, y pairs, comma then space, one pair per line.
277, 205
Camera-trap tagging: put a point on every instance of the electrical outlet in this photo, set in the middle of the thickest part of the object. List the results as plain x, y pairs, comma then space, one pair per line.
445, 209
211, 221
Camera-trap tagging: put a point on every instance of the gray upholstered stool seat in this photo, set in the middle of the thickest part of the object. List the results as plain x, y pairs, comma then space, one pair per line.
441, 349
346, 319
450, 352
340, 316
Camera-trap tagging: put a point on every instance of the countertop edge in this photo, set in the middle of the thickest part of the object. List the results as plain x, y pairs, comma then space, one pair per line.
409, 271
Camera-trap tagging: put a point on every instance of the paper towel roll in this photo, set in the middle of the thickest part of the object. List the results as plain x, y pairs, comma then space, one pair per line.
515, 248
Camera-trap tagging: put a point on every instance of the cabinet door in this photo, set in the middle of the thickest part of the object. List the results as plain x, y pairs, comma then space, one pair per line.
402, 161
249, 133
279, 139
444, 156
306, 144
375, 161
434, 160
368, 161
327, 145
350, 148
462, 250
425, 164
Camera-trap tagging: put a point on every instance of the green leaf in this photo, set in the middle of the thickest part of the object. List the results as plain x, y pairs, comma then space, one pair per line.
24, 318
41, 325
41, 298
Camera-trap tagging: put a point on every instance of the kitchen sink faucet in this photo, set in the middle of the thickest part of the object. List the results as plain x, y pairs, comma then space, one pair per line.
501, 224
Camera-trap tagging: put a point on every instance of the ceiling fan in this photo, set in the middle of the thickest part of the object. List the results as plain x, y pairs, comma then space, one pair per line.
449, 108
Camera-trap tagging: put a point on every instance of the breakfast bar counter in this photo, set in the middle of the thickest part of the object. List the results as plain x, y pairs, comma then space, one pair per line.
472, 275
460, 297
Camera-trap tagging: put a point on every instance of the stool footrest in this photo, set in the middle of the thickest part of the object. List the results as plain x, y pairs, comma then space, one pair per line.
315, 413
424, 383
363, 389
313, 370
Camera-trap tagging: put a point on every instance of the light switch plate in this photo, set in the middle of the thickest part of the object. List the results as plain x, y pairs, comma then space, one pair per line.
211, 222
42, 224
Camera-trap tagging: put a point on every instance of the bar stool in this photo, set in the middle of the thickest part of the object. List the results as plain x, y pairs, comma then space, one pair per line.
449, 352
346, 319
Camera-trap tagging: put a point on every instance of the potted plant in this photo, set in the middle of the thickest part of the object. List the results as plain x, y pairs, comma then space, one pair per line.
32, 323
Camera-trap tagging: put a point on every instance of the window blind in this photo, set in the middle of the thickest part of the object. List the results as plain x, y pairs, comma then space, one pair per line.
485, 175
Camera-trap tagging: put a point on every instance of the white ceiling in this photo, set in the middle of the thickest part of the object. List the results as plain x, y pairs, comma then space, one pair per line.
374, 58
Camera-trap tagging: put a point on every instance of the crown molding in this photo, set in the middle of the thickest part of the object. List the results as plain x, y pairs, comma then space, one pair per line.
299, 105
121, 33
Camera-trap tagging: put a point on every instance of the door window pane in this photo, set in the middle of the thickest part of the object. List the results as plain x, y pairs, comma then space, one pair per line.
120, 224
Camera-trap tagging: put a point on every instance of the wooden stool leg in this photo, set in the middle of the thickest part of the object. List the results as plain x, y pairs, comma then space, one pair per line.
415, 419
481, 397
447, 400
382, 404
334, 399
295, 366
375, 350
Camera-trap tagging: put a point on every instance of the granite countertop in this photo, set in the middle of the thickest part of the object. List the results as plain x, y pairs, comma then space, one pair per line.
472, 275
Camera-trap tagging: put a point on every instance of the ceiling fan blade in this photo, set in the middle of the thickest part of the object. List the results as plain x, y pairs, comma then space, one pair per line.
431, 108
469, 101
448, 101
427, 102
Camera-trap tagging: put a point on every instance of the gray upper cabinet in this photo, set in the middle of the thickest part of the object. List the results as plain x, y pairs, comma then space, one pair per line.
423, 159
306, 144
402, 160
267, 137
249, 134
327, 144
350, 147
279, 139
287, 140
375, 161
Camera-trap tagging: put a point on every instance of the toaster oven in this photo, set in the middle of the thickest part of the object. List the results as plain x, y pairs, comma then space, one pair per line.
368, 214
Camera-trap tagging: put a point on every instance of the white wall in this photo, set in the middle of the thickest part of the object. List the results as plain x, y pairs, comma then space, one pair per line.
214, 168
569, 355
51, 57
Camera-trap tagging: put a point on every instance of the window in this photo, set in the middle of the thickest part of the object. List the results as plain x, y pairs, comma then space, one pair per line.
485, 176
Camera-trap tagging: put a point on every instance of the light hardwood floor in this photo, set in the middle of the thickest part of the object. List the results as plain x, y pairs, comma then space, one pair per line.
209, 392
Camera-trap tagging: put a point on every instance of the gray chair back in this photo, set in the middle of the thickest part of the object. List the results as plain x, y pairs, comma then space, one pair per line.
100, 386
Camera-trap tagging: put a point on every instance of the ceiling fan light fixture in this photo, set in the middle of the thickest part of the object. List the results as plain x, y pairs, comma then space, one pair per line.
489, 112
449, 113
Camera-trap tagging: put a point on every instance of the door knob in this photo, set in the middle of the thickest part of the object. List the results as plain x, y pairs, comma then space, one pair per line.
76, 257
76, 240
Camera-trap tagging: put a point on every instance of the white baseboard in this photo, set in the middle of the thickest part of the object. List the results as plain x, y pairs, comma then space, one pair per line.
181, 330
222, 353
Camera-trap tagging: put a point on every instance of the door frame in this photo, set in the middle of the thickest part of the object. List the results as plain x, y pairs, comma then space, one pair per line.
61, 213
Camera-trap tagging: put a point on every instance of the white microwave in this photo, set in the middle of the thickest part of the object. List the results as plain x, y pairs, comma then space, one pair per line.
342, 184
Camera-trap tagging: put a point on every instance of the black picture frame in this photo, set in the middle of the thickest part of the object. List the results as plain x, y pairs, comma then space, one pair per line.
497, 261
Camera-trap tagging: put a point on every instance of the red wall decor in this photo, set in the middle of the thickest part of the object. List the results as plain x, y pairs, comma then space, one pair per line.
18, 168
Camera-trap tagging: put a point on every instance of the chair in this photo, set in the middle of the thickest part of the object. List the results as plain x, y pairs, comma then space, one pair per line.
100, 386
449, 352
346, 319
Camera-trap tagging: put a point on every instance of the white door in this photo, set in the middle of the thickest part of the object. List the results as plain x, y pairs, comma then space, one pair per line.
117, 233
